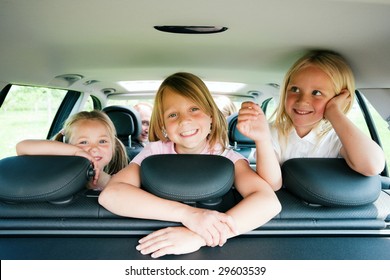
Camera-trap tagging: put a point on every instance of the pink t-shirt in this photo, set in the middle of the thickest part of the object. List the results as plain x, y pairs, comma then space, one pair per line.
160, 147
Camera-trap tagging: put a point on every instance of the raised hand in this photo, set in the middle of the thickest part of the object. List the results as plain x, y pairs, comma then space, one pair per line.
338, 103
252, 122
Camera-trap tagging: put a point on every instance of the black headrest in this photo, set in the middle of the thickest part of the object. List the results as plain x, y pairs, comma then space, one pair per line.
126, 119
329, 182
187, 178
43, 178
236, 139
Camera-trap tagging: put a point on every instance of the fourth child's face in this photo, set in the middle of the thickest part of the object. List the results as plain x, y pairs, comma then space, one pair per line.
93, 137
186, 124
308, 92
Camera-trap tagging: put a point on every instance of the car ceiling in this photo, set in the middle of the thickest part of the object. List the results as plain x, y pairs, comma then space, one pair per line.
110, 41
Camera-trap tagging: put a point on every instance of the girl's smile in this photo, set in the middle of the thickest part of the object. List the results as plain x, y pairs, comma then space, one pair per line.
189, 133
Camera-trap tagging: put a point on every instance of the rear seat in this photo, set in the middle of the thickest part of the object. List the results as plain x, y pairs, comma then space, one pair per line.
75, 207
128, 126
239, 142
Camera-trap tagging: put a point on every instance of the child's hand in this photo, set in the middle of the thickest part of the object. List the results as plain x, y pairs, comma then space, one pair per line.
252, 122
171, 240
338, 102
96, 168
213, 226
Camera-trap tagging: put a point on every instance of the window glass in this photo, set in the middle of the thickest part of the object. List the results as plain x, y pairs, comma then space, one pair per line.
27, 112
88, 106
271, 106
381, 125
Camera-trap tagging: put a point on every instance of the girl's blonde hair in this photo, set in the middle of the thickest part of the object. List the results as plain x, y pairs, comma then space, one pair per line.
119, 159
226, 106
192, 87
338, 70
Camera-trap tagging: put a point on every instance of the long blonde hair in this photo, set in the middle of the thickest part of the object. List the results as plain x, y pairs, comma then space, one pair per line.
119, 159
338, 70
192, 87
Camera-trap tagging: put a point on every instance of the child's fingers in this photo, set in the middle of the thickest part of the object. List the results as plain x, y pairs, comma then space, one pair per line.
155, 247
210, 237
153, 235
345, 92
229, 221
150, 239
171, 240
223, 230
248, 105
220, 231
249, 113
97, 173
243, 127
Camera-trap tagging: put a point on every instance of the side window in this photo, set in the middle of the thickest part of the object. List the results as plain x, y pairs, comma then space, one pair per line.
89, 106
270, 106
381, 125
27, 112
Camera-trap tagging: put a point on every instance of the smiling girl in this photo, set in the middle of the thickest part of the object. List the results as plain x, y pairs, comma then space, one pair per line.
186, 120
86, 134
310, 121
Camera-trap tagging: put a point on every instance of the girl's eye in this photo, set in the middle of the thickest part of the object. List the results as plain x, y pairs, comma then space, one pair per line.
172, 115
83, 142
316, 92
194, 109
103, 141
294, 89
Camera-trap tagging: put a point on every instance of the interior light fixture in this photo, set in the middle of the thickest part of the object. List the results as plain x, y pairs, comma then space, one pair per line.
191, 29
153, 85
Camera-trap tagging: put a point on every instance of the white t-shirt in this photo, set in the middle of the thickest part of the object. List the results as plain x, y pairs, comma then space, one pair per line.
327, 147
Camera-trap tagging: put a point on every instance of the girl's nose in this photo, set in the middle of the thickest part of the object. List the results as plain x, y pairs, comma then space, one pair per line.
184, 118
303, 98
93, 148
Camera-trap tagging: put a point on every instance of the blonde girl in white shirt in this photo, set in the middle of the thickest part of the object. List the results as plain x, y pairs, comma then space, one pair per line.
310, 121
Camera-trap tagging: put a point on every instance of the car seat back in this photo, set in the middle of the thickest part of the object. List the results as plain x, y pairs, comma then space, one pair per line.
194, 179
127, 122
329, 182
237, 140
39, 178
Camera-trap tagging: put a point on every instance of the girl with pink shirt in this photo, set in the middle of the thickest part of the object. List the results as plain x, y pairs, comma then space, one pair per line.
186, 120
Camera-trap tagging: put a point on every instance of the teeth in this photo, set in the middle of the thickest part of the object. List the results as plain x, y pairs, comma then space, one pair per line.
302, 112
190, 132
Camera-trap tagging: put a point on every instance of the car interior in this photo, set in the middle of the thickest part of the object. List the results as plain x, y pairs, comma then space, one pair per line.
318, 195
93, 50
